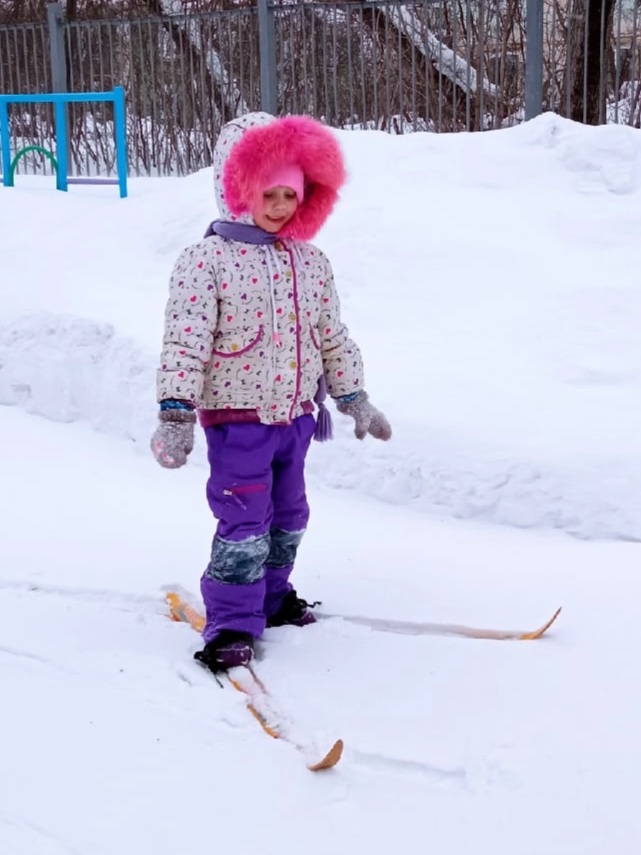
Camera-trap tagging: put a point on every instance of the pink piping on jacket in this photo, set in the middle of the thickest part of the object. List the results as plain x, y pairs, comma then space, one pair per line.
298, 328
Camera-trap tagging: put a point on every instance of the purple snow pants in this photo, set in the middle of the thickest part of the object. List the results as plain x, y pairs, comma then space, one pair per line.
256, 490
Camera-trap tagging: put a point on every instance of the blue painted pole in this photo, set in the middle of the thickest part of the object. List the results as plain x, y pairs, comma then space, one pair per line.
61, 141
5, 144
69, 97
120, 120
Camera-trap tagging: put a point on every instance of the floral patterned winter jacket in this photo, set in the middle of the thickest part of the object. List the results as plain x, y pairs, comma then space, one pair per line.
254, 327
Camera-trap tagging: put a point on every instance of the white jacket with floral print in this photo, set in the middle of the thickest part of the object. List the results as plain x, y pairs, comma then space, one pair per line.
253, 326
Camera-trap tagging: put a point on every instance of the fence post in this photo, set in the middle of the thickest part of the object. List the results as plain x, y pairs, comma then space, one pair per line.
533, 58
58, 57
267, 49
55, 19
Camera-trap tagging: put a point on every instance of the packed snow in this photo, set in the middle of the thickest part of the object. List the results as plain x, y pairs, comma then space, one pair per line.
491, 280
493, 284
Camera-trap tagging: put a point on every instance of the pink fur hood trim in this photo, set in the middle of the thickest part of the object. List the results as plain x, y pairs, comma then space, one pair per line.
262, 149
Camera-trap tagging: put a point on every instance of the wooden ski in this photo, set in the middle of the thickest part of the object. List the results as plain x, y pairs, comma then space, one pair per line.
259, 701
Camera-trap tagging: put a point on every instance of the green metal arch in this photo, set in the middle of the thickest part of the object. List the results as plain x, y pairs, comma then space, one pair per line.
26, 150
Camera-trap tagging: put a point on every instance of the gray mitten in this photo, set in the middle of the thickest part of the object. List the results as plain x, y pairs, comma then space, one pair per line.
367, 418
173, 439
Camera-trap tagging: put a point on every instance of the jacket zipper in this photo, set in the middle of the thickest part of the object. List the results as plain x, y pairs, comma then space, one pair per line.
298, 328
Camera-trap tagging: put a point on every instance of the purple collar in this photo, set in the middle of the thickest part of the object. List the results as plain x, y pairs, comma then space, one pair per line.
242, 232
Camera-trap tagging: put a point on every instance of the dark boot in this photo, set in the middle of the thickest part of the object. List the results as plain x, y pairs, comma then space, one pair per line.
230, 649
293, 611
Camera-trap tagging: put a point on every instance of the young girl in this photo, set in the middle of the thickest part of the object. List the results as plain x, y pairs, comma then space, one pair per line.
253, 337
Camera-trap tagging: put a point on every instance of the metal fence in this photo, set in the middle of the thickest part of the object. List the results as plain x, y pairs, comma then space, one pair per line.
395, 65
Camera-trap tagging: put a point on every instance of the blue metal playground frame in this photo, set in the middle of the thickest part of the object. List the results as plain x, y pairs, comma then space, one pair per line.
60, 161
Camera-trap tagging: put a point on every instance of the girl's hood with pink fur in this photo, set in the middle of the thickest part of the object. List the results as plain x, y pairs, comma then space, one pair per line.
251, 148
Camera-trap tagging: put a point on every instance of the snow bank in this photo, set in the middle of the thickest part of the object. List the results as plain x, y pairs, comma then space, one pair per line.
491, 281
68, 369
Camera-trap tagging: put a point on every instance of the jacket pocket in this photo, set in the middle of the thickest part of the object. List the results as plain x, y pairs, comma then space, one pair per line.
240, 370
241, 492
233, 343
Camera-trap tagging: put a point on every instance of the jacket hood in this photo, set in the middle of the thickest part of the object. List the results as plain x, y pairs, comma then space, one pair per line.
251, 148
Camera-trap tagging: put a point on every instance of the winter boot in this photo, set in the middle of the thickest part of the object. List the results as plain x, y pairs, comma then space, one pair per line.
228, 650
293, 611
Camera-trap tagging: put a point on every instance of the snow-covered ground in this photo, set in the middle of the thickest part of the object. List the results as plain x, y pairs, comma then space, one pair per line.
113, 741
492, 281
512, 377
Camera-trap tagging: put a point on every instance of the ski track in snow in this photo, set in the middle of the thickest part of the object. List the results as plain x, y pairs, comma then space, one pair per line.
14, 653
118, 600
20, 836
388, 765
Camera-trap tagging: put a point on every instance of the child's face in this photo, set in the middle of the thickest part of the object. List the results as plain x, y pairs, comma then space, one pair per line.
275, 208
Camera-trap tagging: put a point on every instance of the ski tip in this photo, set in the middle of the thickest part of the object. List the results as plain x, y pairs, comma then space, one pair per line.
532, 636
330, 759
